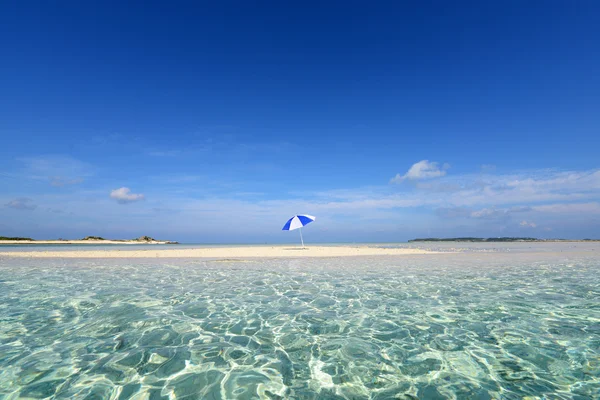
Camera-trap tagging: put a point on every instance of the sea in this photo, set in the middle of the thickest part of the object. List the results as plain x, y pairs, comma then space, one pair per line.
478, 321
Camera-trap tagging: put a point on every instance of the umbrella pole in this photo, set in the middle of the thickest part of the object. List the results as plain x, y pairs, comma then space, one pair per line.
302, 240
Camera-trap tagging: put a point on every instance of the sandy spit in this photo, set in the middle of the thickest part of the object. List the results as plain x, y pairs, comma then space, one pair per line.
222, 252
94, 242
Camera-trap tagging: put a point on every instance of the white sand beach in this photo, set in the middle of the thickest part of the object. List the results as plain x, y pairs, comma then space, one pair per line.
222, 252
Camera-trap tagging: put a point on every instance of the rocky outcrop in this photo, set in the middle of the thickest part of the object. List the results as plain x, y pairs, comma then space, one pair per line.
148, 239
145, 239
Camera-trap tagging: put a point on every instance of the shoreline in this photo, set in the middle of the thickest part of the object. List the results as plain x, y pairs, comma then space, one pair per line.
224, 252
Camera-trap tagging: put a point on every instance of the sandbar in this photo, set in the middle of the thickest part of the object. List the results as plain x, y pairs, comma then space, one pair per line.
83, 241
222, 252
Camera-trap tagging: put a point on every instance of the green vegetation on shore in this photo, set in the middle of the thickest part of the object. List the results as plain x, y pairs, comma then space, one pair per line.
498, 239
475, 239
14, 238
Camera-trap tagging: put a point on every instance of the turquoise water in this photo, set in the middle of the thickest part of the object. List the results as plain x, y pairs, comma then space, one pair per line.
478, 325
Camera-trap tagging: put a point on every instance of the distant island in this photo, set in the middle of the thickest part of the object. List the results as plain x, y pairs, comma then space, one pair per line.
498, 239
85, 240
15, 238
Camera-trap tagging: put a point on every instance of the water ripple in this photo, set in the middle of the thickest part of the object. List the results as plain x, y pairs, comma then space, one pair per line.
364, 328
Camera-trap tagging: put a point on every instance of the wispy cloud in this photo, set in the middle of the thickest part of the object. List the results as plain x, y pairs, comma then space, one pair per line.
224, 145
528, 224
533, 187
473, 195
453, 212
469, 196
424, 169
592, 208
489, 213
57, 170
60, 181
123, 195
477, 203
23, 203
488, 168
175, 179
486, 213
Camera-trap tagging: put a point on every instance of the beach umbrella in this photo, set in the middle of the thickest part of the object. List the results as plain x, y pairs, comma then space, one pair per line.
297, 222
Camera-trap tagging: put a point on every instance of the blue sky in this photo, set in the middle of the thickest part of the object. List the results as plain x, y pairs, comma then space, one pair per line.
217, 122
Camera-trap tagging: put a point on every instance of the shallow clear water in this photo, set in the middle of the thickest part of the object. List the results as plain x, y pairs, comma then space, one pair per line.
447, 326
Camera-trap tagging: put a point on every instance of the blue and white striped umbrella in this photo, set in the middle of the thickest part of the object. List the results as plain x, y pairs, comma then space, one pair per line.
297, 222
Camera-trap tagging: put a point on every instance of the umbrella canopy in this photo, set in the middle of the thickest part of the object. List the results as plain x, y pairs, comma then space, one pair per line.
297, 222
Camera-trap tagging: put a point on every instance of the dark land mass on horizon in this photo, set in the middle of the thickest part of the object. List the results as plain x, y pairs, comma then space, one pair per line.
498, 239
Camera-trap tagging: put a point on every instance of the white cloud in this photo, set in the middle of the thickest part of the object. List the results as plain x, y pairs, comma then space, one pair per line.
422, 170
123, 195
527, 224
22, 203
488, 213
